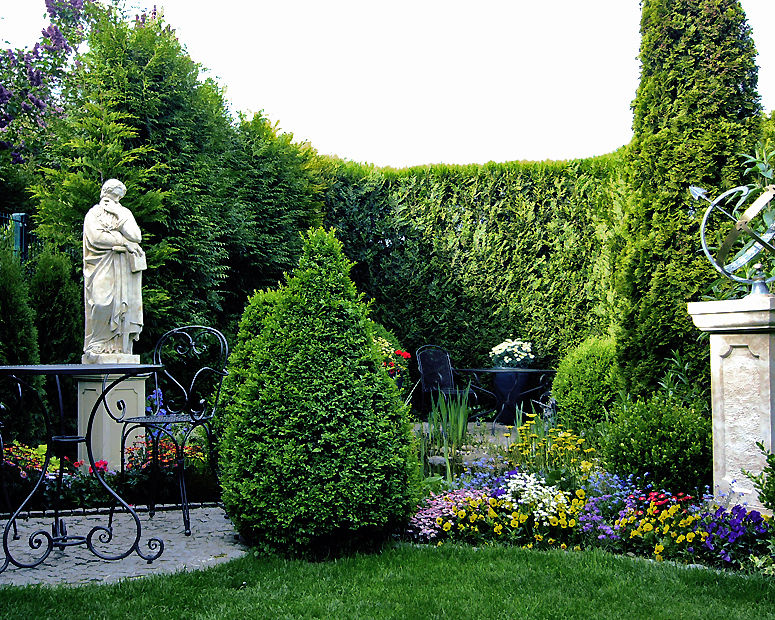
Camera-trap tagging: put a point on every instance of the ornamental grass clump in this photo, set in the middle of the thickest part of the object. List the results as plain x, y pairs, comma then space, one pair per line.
316, 456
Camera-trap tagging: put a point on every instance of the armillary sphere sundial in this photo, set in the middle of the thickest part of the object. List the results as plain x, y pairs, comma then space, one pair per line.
733, 238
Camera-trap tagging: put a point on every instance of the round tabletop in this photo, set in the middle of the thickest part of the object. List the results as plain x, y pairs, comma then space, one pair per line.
504, 369
79, 369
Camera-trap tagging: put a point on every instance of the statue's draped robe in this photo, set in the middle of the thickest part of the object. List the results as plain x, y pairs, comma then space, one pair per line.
112, 291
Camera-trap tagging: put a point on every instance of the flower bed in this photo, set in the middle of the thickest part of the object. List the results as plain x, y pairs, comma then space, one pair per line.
555, 498
81, 489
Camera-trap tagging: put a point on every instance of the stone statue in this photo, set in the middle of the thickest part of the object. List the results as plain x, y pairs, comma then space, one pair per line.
113, 263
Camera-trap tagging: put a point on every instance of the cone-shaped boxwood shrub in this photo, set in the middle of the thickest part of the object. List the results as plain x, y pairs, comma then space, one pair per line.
316, 454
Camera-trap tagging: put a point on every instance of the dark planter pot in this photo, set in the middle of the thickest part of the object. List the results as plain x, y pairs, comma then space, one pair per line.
513, 388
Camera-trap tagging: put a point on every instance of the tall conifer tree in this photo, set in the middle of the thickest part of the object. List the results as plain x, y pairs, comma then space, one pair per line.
695, 111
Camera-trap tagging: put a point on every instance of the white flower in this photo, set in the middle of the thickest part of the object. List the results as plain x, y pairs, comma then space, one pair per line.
512, 352
531, 494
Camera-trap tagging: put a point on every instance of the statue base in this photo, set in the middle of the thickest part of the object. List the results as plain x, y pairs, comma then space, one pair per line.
109, 358
106, 432
742, 368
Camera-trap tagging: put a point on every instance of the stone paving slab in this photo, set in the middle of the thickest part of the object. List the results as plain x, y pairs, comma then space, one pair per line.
212, 541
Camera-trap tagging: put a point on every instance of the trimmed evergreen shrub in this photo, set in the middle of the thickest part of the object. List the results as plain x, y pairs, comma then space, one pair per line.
57, 300
695, 111
18, 340
587, 383
663, 437
316, 456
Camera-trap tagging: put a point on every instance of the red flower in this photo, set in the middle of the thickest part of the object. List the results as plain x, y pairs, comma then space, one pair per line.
101, 466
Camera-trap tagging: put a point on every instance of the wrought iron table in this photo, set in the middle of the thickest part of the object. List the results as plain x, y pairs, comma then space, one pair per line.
22, 379
511, 387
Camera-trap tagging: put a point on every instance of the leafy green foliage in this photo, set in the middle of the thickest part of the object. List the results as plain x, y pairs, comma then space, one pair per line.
181, 128
18, 338
587, 383
275, 193
316, 454
662, 436
764, 481
696, 108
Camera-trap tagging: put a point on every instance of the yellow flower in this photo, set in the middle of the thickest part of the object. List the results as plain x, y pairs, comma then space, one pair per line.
658, 558
473, 517
439, 520
690, 537
461, 514
648, 527
538, 537
491, 513
572, 523
681, 538
551, 541
666, 528
563, 546
447, 526
553, 520
658, 549
493, 501
514, 523
580, 493
577, 548
498, 529
529, 546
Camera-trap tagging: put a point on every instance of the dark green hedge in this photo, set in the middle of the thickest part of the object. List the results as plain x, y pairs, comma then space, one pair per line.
467, 256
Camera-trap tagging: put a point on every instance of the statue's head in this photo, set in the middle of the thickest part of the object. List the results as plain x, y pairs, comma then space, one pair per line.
114, 189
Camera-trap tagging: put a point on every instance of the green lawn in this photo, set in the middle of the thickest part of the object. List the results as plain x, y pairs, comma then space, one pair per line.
411, 582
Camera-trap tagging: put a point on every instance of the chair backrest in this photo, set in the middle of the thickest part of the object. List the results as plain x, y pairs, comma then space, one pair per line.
194, 359
435, 368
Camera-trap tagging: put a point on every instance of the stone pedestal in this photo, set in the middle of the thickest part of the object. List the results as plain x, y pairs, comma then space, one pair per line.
742, 367
106, 432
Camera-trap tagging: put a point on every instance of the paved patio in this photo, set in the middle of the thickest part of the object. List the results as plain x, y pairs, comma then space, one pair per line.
213, 541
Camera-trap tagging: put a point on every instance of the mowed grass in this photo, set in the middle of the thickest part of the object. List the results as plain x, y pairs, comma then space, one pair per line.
415, 582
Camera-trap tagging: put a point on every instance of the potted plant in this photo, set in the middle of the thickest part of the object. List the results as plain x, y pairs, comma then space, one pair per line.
509, 384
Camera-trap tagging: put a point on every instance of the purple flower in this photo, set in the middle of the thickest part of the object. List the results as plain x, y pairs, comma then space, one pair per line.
34, 76
58, 41
60, 8
39, 103
5, 94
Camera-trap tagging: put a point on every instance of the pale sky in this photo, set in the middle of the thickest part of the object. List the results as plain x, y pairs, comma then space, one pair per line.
408, 82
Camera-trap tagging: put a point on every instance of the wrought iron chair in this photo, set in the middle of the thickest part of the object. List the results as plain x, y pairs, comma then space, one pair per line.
184, 398
438, 379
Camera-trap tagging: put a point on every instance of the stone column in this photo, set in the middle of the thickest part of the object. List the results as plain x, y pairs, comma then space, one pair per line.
106, 432
742, 367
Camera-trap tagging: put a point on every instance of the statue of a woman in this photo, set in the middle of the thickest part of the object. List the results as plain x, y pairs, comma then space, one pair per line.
113, 263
